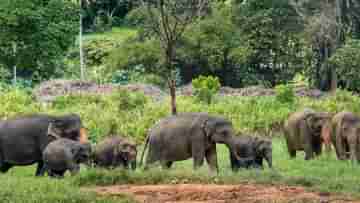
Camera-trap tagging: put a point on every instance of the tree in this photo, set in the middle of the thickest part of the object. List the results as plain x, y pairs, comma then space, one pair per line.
42, 32
346, 62
271, 28
330, 22
214, 46
168, 20
105, 11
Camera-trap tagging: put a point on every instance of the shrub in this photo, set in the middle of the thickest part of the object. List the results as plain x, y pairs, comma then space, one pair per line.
205, 88
128, 101
285, 93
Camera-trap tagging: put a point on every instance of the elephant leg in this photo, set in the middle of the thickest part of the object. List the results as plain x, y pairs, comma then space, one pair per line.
233, 162
40, 170
74, 169
166, 164
198, 157
317, 146
308, 142
211, 159
4, 167
291, 150
56, 174
340, 147
151, 158
352, 141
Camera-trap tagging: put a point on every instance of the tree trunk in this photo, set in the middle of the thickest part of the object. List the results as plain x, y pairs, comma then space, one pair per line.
172, 87
172, 79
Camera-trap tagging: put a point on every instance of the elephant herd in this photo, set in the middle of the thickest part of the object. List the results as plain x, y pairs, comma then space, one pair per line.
59, 143
308, 130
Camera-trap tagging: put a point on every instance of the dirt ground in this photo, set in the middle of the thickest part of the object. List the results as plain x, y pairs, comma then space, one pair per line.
198, 193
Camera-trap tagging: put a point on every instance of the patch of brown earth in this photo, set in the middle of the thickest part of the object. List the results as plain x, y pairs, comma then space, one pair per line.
198, 193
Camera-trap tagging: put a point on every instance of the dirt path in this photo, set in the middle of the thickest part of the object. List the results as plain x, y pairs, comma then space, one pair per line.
198, 193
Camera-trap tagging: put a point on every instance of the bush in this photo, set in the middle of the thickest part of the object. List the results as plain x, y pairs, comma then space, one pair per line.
285, 93
206, 87
128, 101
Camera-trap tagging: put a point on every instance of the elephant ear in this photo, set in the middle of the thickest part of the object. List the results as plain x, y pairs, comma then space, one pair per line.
52, 132
208, 127
261, 145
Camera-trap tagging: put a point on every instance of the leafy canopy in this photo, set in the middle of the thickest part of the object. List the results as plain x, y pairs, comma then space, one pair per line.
40, 31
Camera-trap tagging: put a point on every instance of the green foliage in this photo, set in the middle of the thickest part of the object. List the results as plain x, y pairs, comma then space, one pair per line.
215, 44
346, 60
271, 29
285, 93
40, 32
136, 53
16, 101
129, 101
205, 88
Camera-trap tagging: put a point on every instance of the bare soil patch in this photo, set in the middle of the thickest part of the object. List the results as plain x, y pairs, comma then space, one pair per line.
199, 193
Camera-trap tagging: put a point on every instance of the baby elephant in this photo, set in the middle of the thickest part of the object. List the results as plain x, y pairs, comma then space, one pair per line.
65, 154
115, 151
251, 152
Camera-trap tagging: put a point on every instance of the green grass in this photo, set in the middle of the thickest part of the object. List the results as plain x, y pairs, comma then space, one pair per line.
247, 114
325, 174
117, 33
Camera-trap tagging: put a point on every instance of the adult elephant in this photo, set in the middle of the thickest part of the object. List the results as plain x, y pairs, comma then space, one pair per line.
302, 131
23, 139
345, 135
188, 135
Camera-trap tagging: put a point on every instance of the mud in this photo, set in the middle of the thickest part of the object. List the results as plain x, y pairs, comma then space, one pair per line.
198, 193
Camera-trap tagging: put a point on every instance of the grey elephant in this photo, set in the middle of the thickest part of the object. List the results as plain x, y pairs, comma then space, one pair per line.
64, 154
23, 139
115, 151
345, 135
188, 135
303, 130
251, 150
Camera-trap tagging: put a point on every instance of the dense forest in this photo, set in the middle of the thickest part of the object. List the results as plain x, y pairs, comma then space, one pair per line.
243, 42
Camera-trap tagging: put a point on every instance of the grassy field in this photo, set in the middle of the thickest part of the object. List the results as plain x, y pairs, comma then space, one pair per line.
324, 174
261, 114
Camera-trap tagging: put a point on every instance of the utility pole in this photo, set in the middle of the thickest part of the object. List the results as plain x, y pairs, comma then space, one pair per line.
82, 65
14, 68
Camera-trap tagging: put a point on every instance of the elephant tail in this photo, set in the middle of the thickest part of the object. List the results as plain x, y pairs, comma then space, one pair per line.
145, 146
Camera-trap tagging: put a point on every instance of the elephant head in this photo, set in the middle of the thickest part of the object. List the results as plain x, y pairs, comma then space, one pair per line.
68, 126
263, 149
82, 153
126, 153
219, 130
316, 121
350, 139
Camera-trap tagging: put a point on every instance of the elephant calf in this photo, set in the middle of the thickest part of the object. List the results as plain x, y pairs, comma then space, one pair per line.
303, 130
115, 151
251, 152
65, 154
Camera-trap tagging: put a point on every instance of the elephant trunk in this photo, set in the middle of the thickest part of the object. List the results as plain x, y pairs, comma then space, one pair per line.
232, 147
268, 158
133, 165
